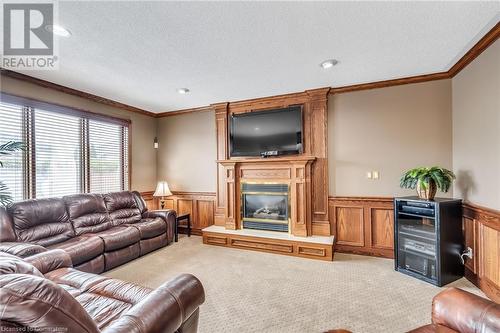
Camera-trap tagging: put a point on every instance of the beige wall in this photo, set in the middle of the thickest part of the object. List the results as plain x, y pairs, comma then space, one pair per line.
187, 152
388, 130
476, 129
143, 127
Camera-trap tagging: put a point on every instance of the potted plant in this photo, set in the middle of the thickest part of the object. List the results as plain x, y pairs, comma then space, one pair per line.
426, 180
7, 149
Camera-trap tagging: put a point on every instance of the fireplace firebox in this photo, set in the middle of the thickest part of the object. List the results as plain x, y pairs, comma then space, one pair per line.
265, 206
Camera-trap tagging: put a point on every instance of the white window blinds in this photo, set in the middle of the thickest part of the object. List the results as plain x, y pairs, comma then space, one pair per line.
11, 129
57, 154
67, 150
108, 157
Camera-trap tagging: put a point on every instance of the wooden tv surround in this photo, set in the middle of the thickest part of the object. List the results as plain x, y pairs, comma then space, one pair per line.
306, 173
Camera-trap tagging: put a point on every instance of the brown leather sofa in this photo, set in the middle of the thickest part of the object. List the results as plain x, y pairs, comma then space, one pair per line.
99, 232
456, 310
42, 293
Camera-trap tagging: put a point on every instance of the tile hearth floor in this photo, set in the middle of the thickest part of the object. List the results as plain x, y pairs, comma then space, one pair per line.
249, 291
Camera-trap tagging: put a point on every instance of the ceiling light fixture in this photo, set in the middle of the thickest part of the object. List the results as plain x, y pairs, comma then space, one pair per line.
58, 30
183, 90
328, 63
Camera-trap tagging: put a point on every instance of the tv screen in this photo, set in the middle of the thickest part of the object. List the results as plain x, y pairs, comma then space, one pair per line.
254, 133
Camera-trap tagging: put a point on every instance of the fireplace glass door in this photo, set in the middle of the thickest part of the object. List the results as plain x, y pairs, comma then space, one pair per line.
265, 206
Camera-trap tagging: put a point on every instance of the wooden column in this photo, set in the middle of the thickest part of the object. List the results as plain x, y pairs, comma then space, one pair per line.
221, 128
301, 199
317, 146
230, 194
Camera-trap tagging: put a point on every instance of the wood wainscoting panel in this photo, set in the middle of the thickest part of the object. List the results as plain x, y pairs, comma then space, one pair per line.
205, 212
481, 227
349, 226
200, 206
490, 254
469, 227
382, 225
363, 225
184, 206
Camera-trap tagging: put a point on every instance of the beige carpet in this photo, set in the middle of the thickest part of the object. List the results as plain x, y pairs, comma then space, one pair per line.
250, 291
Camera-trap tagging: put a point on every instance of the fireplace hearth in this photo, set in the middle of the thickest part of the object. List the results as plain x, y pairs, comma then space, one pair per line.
265, 206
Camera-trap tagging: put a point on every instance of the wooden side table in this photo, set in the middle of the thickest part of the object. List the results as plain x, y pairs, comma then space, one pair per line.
182, 217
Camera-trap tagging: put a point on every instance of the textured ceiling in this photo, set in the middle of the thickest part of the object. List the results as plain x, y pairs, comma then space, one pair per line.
138, 53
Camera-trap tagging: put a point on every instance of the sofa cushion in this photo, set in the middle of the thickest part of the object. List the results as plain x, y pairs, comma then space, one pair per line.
35, 302
81, 248
7, 233
87, 213
104, 299
10, 264
119, 237
150, 227
21, 249
122, 207
41, 221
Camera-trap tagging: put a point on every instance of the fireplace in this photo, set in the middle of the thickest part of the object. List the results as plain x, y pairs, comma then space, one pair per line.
265, 206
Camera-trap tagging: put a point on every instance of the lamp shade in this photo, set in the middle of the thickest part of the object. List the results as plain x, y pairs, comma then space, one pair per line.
162, 190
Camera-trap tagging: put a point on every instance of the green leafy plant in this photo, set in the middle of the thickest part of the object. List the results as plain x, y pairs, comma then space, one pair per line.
5, 150
426, 178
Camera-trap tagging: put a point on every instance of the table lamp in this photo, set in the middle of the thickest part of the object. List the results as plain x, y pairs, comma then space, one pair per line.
162, 190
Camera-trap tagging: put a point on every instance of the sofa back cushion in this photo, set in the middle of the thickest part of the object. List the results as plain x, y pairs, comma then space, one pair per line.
7, 233
41, 221
40, 304
122, 207
87, 213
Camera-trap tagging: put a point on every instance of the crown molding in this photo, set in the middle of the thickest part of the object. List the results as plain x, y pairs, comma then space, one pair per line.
74, 92
488, 39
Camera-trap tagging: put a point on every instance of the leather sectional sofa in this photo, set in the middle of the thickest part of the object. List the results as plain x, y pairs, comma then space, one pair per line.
42, 293
51, 251
99, 232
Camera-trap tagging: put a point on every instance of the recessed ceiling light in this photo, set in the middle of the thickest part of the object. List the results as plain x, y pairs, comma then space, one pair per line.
328, 63
58, 30
183, 90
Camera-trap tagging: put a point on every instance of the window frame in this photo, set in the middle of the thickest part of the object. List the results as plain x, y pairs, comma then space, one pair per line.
29, 156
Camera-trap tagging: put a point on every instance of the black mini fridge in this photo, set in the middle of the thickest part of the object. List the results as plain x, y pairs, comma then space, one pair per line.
428, 239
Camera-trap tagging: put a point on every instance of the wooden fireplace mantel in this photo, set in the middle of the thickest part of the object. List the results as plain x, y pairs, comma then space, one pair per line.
306, 173
295, 172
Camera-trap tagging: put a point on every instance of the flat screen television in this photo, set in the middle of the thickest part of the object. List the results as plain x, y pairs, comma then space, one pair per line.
275, 132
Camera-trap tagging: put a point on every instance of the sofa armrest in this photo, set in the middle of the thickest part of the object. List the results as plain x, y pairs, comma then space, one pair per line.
169, 216
50, 260
20, 249
165, 309
465, 312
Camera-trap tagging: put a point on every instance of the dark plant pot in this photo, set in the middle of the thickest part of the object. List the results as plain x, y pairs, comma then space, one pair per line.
429, 193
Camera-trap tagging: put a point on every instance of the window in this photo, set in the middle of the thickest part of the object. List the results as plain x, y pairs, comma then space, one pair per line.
57, 154
11, 129
67, 151
107, 158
